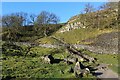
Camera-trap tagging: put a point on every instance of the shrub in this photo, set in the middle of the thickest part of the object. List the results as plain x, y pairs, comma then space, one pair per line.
9, 49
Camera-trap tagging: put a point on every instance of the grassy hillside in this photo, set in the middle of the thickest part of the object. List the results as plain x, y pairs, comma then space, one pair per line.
99, 19
23, 61
77, 36
96, 23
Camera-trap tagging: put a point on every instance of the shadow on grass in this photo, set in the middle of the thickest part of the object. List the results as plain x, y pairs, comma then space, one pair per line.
97, 73
56, 61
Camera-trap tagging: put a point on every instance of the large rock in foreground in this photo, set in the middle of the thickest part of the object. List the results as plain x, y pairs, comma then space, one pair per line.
78, 68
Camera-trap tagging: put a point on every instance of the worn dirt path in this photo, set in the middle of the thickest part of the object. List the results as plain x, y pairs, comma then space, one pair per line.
104, 72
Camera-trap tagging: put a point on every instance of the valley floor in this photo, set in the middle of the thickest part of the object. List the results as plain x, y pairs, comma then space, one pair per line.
33, 66
19, 60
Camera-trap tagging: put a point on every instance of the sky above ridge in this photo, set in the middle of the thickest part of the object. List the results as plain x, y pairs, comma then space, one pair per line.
64, 10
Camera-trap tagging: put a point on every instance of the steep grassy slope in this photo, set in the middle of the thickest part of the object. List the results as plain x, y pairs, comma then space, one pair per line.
99, 19
96, 23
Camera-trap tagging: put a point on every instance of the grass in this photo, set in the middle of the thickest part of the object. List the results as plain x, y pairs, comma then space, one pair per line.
34, 67
76, 36
28, 67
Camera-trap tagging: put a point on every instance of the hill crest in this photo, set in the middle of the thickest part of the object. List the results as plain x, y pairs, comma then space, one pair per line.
98, 19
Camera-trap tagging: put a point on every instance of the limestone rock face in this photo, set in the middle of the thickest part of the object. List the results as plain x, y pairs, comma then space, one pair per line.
72, 25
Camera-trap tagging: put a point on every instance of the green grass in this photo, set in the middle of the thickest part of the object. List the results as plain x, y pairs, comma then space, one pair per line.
27, 67
76, 36
34, 67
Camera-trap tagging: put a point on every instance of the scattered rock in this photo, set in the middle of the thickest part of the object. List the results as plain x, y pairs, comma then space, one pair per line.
91, 60
84, 72
81, 59
87, 69
68, 62
102, 66
73, 60
78, 68
48, 59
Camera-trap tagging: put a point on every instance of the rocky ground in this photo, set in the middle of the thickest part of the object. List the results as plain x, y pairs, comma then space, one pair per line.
104, 72
104, 43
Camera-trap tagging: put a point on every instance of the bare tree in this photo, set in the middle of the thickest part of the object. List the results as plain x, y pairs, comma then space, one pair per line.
5, 21
32, 19
88, 16
46, 18
109, 6
22, 17
89, 8
14, 19
11, 21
